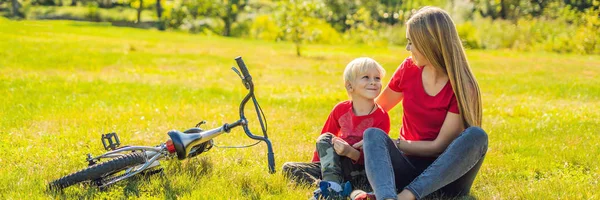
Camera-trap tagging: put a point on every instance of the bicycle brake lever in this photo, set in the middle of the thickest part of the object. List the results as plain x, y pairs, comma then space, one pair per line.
237, 72
241, 77
199, 124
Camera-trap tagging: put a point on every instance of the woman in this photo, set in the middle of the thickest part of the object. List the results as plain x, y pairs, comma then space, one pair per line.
441, 147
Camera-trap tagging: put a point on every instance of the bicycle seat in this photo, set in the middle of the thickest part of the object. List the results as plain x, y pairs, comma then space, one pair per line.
183, 142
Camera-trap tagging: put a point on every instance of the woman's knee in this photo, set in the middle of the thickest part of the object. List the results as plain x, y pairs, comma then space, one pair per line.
477, 135
374, 135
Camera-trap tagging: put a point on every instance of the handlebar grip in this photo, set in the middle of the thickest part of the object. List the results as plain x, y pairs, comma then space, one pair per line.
243, 68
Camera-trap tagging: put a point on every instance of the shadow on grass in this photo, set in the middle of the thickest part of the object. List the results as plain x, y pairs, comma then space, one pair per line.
437, 196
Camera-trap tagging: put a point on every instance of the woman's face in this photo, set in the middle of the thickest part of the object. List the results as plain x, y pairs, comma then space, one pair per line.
417, 57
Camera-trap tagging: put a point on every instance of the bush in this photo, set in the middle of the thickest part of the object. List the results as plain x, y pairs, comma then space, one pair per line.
241, 28
92, 12
469, 35
265, 28
319, 31
206, 26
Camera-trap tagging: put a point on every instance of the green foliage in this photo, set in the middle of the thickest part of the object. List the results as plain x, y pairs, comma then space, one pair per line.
362, 28
174, 15
292, 17
556, 26
92, 12
146, 4
265, 28
241, 28
468, 34
564, 31
115, 14
209, 17
321, 32
14, 8
395, 35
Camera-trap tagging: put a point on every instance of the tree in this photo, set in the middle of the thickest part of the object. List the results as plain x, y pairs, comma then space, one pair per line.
337, 12
232, 9
514, 9
502, 9
159, 9
15, 8
139, 11
226, 10
292, 19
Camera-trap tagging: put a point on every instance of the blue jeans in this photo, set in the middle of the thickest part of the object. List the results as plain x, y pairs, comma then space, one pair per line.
452, 173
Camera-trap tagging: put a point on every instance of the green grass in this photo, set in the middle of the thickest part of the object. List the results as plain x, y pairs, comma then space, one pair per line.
63, 84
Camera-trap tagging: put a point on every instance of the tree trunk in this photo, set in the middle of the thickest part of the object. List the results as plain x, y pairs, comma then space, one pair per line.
297, 41
158, 9
73, 2
298, 50
503, 9
227, 20
139, 11
227, 28
15, 8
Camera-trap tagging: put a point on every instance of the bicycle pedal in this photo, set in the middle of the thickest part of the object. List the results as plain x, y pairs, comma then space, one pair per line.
110, 141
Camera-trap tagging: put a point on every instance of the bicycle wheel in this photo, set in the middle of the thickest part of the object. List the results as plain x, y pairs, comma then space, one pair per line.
100, 170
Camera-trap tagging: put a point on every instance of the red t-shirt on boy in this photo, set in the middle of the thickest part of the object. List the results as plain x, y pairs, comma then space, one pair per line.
344, 124
423, 114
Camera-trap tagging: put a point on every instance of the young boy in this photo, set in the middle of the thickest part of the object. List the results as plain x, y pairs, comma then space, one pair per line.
338, 157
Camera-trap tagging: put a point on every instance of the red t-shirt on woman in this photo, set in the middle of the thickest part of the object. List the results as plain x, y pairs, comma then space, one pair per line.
423, 114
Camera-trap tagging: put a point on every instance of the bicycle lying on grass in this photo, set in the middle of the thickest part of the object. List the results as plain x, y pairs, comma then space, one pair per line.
128, 161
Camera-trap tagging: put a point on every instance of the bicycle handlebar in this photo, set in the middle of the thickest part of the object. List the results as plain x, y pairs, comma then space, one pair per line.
243, 68
247, 80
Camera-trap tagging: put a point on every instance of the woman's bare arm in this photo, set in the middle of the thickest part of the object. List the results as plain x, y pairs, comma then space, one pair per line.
389, 98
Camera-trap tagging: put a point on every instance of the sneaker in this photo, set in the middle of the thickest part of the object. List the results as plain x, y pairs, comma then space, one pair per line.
326, 192
361, 195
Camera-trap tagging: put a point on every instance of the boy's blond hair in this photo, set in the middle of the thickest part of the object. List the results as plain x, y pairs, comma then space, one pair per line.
361, 65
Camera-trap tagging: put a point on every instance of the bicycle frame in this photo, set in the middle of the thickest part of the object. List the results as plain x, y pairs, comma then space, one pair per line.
181, 144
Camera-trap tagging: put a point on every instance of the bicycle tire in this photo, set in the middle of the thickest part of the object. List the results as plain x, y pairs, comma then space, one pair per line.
99, 170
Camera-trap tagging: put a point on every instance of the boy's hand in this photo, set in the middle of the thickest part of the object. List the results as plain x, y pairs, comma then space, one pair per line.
341, 147
358, 145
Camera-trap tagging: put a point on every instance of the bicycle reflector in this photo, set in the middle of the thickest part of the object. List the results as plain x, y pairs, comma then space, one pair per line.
170, 146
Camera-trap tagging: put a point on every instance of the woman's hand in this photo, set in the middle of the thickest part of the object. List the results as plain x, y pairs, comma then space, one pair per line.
451, 128
358, 145
341, 147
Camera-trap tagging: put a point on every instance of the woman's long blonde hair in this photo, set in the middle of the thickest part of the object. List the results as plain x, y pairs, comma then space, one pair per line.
432, 32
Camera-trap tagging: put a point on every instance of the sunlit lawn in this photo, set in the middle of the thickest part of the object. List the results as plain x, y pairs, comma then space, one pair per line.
63, 84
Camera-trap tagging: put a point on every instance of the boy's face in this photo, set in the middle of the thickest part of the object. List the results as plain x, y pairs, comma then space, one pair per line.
366, 85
